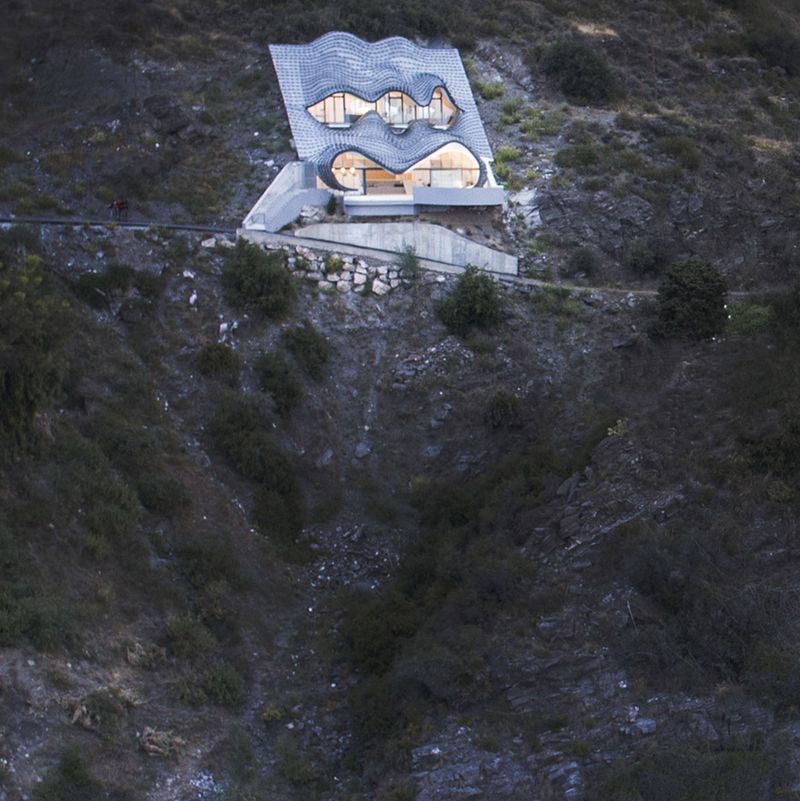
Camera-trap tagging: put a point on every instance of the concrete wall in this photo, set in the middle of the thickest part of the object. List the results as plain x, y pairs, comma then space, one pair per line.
429, 241
444, 196
293, 187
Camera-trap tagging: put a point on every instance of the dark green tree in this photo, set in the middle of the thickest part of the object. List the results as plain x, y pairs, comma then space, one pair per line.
473, 303
691, 301
258, 281
579, 71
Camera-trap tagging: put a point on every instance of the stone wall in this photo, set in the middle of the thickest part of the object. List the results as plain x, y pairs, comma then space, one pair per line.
346, 273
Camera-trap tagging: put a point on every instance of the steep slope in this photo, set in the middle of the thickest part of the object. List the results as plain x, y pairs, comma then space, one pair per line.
553, 558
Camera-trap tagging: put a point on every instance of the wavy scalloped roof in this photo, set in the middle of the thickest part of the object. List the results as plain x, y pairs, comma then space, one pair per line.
341, 62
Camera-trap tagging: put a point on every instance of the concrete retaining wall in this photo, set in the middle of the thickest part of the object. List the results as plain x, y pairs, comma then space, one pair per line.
294, 187
429, 242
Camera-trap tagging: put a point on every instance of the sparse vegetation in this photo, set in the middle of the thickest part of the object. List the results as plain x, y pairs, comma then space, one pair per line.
468, 496
684, 772
240, 430
33, 318
683, 150
538, 123
490, 90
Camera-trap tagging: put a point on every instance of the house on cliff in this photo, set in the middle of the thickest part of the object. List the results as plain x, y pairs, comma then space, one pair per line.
391, 126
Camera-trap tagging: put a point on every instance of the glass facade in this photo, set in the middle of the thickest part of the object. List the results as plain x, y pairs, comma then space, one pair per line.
452, 166
341, 109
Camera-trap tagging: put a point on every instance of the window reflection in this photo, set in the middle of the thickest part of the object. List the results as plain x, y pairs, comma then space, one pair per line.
341, 109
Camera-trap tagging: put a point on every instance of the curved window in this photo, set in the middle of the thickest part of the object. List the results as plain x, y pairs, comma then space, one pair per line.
451, 166
341, 109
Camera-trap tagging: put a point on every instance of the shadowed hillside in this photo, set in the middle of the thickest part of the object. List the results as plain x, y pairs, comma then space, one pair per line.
265, 533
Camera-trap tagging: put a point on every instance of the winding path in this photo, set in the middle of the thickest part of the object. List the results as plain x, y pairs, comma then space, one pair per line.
321, 244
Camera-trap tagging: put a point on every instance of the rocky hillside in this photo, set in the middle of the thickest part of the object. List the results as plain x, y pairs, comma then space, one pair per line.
269, 537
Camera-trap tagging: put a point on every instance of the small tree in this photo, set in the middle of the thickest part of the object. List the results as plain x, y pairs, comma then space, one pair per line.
691, 301
309, 347
579, 71
408, 263
473, 303
257, 281
276, 376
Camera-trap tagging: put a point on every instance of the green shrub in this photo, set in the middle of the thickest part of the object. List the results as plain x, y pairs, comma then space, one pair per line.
579, 157
786, 314
778, 453
218, 360
691, 301
427, 668
9, 157
713, 615
579, 71
682, 149
295, 767
682, 772
502, 171
239, 430
257, 281
408, 264
511, 111
332, 263
126, 442
506, 153
43, 620
162, 494
502, 410
769, 38
747, 319
376, 628
210, 558
280, 514
100, 288
112, 518
213, 600
223, 685
473, 303
276, 376
17, 242
188, 638
106, 710
33, 323
309, 347
539, 123
489, 90
330, 205
27, 613
68, 781
583, 261
646, 255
